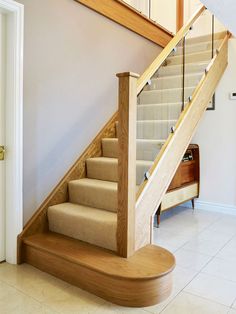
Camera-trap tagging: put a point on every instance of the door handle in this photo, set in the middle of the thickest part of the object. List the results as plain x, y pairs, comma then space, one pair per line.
2, 152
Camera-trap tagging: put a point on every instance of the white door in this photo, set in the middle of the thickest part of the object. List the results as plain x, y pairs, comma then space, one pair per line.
2, 133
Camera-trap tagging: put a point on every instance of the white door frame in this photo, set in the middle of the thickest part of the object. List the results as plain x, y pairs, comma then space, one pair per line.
14, 125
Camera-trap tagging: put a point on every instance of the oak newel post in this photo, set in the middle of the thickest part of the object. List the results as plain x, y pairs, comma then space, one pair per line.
126, 163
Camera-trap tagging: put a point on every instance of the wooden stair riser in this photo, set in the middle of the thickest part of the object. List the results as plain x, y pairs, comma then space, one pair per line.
121, 292
135, 282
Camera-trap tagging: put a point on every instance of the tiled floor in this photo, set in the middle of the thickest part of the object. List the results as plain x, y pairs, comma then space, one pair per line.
204, 244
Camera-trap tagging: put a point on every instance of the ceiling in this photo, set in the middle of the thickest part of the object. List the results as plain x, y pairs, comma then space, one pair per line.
225, 11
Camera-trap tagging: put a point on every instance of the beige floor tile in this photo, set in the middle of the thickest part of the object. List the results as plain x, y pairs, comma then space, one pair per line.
13, 301
33, 282
186, 303
228, 252
210, 247
221, 237
109, 308
74, 300
234, 304
171, 241
54, 293
225, 225
213, 288
183, 276
191, 259
221, 268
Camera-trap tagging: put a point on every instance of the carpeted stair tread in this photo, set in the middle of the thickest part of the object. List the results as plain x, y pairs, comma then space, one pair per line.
178, 69
174, 81
154, 129
190, 58
147, 149
165, 95
205, 38
104, 168
197, 47
167, 111
95, 193
84, 223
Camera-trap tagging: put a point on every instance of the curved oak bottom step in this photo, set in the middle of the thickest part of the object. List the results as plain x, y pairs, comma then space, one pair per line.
142, 280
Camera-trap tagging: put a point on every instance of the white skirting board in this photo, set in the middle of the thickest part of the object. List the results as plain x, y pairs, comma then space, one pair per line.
214, 207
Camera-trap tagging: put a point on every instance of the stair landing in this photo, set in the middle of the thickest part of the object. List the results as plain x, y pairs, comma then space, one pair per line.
141, 280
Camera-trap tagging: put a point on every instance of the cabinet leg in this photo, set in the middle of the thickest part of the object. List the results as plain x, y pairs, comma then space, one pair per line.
193, 203
159, 216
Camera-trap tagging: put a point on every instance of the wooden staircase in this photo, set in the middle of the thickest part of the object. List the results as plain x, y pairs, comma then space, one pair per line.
94, 230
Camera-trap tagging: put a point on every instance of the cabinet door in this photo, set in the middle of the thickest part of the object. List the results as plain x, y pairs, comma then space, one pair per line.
188, 172
176, 181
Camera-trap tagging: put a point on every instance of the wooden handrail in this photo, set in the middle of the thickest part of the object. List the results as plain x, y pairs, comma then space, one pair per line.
129, 87
146, 76
166, 163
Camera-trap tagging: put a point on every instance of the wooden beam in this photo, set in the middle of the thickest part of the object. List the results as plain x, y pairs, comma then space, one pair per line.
126, 163
125, 15
168, 159
179, 14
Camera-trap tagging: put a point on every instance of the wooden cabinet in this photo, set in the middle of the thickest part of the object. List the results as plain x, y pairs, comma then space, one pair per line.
185, 184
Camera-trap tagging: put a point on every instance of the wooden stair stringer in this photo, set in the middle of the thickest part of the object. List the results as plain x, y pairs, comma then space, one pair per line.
39, 221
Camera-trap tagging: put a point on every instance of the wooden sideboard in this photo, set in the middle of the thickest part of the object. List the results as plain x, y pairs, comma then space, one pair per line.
185, 184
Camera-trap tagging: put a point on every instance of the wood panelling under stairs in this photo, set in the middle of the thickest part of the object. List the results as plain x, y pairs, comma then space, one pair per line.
141, 280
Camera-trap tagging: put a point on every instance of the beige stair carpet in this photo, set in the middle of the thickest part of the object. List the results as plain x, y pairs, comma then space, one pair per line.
90, 214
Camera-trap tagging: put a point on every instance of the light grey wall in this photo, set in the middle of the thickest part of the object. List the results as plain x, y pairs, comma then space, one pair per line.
70, 90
